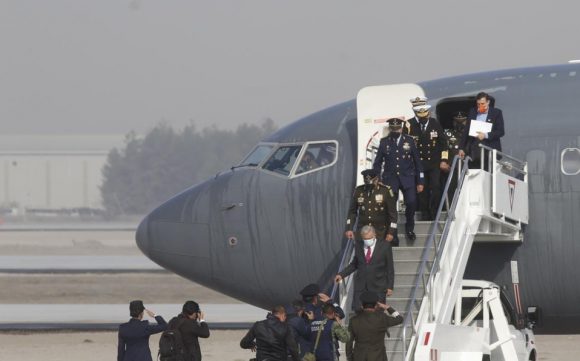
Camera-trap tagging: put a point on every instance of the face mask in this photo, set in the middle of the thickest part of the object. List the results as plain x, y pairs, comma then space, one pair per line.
482, 108
423, 114
369, 242
458, 125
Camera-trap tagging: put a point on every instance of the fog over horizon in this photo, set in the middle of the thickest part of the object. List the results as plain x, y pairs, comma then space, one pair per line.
109, 67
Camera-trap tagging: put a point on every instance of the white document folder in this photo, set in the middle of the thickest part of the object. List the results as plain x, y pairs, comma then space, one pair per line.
477, 126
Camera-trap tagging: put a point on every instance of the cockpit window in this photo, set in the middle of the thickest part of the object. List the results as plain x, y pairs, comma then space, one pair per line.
257, 155
316, 156
283, 159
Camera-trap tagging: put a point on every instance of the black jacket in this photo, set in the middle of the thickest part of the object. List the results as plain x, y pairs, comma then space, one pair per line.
134, 339
431, 143
190, 331
273, 340
470, 145
378, 275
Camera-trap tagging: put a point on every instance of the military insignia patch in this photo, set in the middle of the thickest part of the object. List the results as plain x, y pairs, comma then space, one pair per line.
406, 146
361, 200
379, 198
434, 134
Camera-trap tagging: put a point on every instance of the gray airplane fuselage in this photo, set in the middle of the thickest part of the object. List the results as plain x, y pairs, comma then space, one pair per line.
260, 236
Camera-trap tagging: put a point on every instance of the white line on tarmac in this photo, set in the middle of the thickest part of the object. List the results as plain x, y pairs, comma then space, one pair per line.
76, 263
119, 313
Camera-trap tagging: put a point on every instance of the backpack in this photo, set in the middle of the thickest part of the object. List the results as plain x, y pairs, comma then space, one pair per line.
171, 344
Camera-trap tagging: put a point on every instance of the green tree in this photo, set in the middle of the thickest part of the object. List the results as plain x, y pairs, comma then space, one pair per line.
151, 169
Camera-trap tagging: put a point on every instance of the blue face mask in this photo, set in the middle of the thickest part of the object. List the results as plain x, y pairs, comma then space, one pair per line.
369, 242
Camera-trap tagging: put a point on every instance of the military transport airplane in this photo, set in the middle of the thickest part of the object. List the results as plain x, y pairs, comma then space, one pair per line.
262, 230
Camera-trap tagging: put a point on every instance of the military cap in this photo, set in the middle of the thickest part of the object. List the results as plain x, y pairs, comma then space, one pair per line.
395, 123
422, 108
136, 307
418, 101
459, 116
371, 173
368, 298
310, 290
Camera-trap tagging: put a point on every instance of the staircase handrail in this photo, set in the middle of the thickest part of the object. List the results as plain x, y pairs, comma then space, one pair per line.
346, 256
408, 321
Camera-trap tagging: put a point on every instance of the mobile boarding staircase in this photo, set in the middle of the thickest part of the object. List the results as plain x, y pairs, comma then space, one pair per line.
489, 205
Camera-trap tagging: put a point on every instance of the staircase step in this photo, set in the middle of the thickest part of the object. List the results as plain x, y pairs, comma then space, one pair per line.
406, 278
404, 291
411, 253
409, 266
419, 242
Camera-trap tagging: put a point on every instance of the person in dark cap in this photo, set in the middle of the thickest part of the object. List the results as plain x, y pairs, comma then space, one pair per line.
298, 320
134, 335
398, 159
431, 143
374, 204
191, 325
368, 328
453, 137
314, 300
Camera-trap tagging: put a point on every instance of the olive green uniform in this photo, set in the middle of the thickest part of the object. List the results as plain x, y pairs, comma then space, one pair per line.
367, 335
376, 206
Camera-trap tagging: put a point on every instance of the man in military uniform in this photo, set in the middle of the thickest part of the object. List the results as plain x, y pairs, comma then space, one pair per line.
415, 102
432, 145
453, 138
376, 205
368, 328
401, 167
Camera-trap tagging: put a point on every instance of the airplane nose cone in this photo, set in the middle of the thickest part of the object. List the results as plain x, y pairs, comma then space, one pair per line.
142, 236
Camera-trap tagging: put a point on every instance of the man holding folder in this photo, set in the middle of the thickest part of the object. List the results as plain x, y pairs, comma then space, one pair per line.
485, 126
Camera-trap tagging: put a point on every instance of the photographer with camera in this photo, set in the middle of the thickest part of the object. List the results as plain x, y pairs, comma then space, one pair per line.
323, 333
191, 325
272, 339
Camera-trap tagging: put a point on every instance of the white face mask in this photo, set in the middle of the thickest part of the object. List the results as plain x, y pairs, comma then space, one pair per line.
369, 242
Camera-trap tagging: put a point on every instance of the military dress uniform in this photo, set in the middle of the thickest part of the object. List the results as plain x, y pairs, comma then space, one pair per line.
431, 143
453, 138
376, 205
401, 167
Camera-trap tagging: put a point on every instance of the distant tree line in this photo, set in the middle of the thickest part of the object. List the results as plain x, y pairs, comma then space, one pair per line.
151, 169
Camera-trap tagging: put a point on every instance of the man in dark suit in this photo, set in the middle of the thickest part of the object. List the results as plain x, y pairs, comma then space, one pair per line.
134, 335
373, 261
398, 160
431, 142
191, 324
483, 113
368, 328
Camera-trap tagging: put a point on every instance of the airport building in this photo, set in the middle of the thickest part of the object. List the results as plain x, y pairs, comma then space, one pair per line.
53, 172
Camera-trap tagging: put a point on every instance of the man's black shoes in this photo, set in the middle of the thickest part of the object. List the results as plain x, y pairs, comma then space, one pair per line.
411, 236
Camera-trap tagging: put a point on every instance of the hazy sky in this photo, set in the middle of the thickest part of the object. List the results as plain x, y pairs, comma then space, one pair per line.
110, 66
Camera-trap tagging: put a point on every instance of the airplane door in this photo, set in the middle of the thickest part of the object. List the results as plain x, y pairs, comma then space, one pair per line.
375, 105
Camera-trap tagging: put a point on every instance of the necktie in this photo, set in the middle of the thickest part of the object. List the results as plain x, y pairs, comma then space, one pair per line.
423, 126
368, 255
